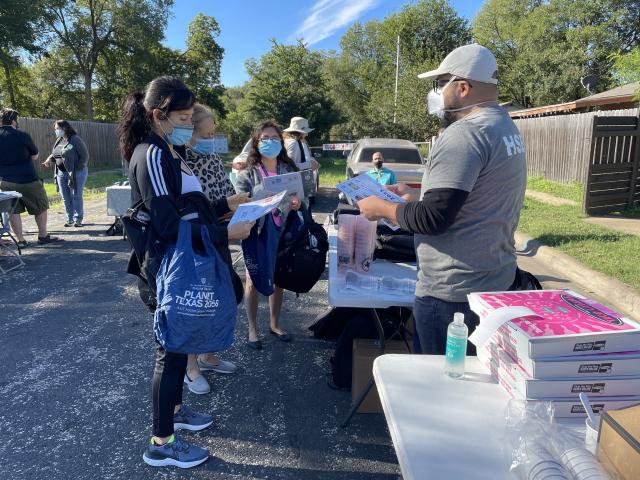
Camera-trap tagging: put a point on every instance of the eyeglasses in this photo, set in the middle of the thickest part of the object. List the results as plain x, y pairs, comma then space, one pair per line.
267, 139
439, 84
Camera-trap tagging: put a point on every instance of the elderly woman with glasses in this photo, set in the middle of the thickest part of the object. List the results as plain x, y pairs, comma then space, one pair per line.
266, 158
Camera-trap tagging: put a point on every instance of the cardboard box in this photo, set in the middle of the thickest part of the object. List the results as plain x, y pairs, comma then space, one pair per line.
533, 388
595, 365
546, 323
619, 443
365, 352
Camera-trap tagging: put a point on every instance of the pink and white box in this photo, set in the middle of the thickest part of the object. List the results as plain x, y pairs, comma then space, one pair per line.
550, 323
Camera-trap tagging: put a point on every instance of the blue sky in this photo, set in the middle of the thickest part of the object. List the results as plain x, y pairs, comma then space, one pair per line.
247, 25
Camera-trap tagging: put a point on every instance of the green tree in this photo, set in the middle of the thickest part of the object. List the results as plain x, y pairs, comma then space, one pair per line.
543, 48
289, 81
203, 59
627, 66
362, 76
88, 28
18, 31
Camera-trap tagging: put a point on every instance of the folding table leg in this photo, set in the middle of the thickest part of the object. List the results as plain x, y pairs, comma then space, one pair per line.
365, 391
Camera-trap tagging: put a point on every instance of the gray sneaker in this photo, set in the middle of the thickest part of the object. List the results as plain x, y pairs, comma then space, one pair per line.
198, 385
187, 419
177, 452
223, 367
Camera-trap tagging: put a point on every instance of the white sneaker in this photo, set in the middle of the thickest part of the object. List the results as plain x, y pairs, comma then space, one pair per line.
198, 385
222, 367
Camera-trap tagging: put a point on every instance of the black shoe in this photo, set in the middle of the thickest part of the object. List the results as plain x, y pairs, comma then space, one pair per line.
257, 345
48, 239
78, 224
68, 224
283, 337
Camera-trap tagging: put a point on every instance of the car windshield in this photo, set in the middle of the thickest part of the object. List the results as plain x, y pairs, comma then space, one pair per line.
392, 155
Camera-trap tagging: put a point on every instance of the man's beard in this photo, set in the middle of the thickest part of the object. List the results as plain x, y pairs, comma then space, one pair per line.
448, 118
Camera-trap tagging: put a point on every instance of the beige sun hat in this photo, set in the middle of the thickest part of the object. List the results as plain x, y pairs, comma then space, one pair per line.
299, 124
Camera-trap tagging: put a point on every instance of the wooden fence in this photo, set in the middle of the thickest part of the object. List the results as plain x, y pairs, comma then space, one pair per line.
613, 181
100, 138
558, 147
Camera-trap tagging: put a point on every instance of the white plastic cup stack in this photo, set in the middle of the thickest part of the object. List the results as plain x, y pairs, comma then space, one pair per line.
583, 465
591, 434
542, 465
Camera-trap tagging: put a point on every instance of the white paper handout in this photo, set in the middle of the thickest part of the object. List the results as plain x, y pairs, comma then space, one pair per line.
248, 212
295, 183
363, 186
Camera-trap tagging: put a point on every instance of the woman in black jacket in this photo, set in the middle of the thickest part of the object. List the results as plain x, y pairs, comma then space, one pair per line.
163, 187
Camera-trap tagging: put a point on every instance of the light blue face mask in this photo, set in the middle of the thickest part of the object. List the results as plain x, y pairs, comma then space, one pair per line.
269, 148
204, 146
181, 134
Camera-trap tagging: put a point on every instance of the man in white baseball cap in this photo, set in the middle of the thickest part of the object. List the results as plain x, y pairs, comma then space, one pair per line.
466, 213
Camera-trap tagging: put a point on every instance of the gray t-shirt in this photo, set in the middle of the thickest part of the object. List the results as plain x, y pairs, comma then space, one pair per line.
482, 154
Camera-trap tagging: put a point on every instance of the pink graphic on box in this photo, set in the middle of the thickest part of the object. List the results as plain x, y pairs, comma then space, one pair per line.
558, 313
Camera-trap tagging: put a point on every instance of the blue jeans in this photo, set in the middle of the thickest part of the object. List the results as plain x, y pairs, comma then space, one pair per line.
73, 201
432, 316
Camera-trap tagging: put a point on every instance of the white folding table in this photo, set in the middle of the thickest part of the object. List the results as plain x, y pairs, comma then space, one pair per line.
341, 296
443, 428
118, 202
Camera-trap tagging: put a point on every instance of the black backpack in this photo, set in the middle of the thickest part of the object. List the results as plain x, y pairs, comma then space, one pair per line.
302, 253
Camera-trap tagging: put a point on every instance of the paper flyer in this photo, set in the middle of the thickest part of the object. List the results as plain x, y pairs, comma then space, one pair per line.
301, 184
248, 212
363, 186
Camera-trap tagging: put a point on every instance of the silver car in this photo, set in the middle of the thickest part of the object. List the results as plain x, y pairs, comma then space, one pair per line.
401, 156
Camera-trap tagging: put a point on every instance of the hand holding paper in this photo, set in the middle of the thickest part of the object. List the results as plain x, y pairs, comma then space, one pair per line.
251, 211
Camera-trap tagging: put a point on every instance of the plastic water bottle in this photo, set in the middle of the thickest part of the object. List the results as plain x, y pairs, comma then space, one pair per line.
358, 281
398, 285
456, 347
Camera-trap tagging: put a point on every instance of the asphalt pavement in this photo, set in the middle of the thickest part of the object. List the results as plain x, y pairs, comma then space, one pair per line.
77, 359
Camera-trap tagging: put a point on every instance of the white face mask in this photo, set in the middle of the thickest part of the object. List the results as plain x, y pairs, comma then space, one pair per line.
59, 132
435, 102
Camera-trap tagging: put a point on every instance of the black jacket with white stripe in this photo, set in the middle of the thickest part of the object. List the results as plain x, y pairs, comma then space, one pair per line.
156, 187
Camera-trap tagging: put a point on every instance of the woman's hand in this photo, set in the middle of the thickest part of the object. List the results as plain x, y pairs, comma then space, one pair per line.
295, 203
315, 165
238, 199
240, 230
404, 191
47, 163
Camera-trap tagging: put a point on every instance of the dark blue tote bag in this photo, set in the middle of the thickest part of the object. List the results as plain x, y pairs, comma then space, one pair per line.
197, 308
260, 250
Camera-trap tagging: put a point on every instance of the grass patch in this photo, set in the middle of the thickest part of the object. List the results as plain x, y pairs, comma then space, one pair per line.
602, 249
94, 188
570, 191
333, 170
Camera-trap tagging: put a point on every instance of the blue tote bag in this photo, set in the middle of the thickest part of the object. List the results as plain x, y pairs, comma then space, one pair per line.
260, 250
197, 308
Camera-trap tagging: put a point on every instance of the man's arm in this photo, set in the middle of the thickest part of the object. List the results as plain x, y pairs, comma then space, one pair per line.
432, 215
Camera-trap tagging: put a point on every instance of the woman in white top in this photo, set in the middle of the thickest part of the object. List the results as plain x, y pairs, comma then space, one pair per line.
295, 141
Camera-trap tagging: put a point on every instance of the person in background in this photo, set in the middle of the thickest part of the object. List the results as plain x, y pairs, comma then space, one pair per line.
70, 158
380, 173
266, 157
18, 173
201, 158
152, 124
295, 142
466, 214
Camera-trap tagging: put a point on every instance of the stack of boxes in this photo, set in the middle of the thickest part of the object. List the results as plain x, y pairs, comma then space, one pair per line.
563, 345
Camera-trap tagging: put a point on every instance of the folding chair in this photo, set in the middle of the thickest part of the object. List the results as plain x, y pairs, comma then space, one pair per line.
7, 205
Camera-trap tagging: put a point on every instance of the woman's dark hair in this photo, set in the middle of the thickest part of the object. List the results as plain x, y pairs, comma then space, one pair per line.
69, 131
254, 158
166, 94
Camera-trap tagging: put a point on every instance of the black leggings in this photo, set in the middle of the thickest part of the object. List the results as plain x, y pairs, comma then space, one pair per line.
168, 378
